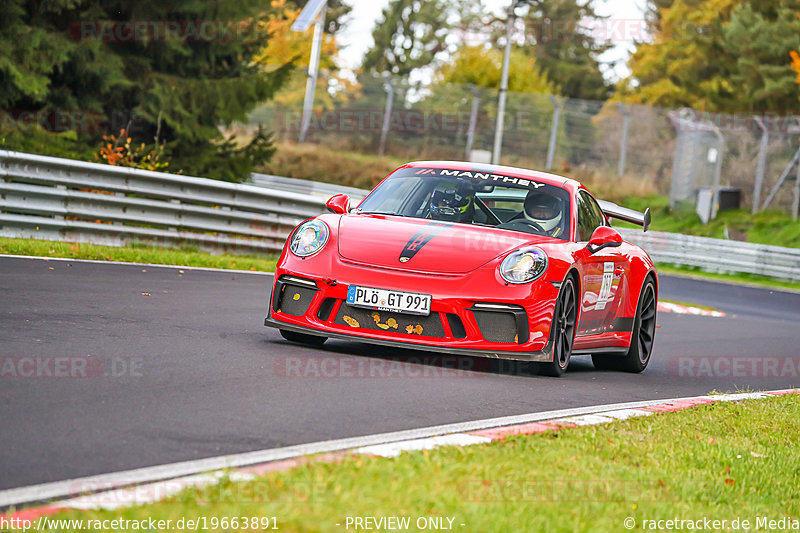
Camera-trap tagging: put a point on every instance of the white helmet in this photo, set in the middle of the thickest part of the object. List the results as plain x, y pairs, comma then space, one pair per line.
543, 209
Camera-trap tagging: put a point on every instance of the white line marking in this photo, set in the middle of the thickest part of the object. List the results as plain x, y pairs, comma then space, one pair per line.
149, 265
584, 420
396, 448
624, 414
62, 489
736, 397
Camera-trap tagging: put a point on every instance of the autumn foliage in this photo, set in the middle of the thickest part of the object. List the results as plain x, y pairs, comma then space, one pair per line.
119, 151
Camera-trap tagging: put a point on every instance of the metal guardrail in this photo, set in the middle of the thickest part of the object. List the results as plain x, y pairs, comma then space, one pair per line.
314, 188
61, 199
718, 255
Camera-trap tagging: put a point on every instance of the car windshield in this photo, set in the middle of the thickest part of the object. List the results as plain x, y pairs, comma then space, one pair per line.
473, 197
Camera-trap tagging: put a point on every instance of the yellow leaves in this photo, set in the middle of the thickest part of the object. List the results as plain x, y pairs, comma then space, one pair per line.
284, 44
796, 63
391, 323
352, 322
414, 329
483, 67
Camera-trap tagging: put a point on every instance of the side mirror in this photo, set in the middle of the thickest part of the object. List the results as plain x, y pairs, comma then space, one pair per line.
339, 204
604, 237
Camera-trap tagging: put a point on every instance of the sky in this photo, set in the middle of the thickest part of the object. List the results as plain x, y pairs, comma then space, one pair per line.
624, 25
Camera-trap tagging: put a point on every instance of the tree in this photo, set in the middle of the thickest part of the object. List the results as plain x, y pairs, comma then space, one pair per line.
285, 45
796, 61
482, 67
475, 72
718, 56
335, 16
564, 49
28, 55
182, 68
410, 34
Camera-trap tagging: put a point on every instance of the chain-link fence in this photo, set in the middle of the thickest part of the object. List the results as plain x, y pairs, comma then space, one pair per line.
681, 153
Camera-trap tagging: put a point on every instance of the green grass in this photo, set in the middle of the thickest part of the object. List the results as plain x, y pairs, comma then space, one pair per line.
724, 461
767, 227
187, 256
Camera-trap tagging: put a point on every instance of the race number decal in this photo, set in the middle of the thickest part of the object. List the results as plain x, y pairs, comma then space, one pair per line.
604, 296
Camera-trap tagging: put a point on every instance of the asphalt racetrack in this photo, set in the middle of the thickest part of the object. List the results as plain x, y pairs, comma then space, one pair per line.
108, 367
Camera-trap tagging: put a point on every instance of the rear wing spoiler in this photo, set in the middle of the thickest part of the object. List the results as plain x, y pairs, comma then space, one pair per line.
612, 210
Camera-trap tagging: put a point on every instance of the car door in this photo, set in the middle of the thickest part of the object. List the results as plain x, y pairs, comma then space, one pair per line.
602, 271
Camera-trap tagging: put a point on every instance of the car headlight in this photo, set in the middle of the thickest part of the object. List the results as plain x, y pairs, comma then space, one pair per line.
523, 266
309, 238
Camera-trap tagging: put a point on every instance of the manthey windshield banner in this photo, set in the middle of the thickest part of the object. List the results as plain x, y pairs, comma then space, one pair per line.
489, 178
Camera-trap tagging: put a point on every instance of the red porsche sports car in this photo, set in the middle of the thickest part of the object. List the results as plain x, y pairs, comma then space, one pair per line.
472, 259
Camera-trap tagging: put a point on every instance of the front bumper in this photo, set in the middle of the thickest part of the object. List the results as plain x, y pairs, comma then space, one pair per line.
498, 321
541, 356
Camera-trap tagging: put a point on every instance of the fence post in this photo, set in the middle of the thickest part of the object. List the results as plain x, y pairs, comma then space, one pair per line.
762, 164
313, 72
501, 99
473, 119
387, 115
623, 149
677, 159
551, 147
717, 173
796, 199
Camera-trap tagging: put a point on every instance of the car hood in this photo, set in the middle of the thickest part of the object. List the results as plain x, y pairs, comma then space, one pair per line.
424, 245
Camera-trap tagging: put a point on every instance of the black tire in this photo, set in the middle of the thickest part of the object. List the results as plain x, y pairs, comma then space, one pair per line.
644, 331
302, 338
564, 319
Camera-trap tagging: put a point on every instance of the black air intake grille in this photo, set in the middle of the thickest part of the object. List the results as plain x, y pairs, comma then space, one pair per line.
295, 300
497, 326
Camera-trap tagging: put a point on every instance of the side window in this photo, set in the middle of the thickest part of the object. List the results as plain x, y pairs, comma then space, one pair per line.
590, 216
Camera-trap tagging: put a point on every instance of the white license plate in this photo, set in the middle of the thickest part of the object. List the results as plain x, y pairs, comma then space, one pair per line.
385, 300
